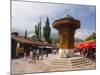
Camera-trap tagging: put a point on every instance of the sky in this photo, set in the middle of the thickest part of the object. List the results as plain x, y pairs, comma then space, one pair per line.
25, 15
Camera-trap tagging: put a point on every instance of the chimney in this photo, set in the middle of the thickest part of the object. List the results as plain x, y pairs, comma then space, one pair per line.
14, 33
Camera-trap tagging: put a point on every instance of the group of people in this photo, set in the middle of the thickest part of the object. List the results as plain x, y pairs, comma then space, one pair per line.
36, 55
86, 52
55, 50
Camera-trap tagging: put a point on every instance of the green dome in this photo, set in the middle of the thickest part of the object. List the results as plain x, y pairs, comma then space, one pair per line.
69, 17
32, 35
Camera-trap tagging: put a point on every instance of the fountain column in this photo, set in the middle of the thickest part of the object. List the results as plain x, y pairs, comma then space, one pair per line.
66, 28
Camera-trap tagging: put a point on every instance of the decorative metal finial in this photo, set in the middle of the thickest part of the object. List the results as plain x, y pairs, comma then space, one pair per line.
67, 11
68, 14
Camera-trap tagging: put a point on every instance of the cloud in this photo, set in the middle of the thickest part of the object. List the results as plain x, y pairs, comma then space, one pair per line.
25, 15
25, 9
28, 13
83, 33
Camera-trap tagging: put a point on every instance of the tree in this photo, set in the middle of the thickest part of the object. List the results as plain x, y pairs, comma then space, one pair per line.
36, 31
54, 40
39, 29
47, 31
25, 33
91, 37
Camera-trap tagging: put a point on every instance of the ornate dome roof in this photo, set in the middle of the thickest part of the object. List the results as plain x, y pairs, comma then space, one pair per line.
67, 21
69, 17
31, 35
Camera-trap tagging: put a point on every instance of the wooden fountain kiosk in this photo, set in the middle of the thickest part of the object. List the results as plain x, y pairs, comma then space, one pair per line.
66, 28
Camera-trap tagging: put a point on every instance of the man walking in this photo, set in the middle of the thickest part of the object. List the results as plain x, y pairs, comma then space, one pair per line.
41, 54
34, 55
38, 54
31, 57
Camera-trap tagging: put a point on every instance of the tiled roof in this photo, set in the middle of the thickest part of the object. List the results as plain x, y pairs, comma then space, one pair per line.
22, 39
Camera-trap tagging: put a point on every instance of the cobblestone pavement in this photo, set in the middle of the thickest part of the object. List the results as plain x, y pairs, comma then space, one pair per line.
19, 66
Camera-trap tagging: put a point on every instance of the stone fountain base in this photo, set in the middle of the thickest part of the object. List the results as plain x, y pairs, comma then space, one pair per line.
65, 53
76, 61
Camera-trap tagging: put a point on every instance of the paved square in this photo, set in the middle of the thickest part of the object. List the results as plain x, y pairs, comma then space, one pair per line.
19, 66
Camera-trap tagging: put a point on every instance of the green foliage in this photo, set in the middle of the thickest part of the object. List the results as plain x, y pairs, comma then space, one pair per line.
91, 37
47, 31
54, 40
38, 30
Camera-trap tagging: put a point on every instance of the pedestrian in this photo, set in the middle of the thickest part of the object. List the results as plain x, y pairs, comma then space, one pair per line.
25, 55
85, 53
41, 54
31, 57
47, 52
81, 52
55, 50
34, 55
17, 52
38, 54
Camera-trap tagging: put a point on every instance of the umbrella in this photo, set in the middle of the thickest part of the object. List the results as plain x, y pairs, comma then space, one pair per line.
90, 44
86, 44
79, 45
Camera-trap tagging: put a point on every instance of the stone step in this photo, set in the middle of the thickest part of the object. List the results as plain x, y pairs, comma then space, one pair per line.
75, 61
68, 65
56, 61
66, 59
57, 65
67, 62
79, 65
